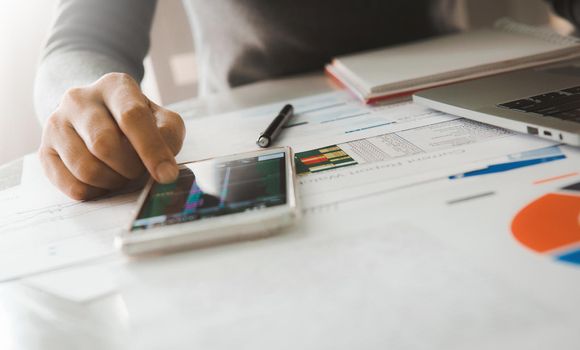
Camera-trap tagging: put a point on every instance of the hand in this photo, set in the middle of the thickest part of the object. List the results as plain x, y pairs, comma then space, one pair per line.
103, 135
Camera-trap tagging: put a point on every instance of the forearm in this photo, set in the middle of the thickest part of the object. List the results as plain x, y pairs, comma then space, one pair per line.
89, 39
60, 72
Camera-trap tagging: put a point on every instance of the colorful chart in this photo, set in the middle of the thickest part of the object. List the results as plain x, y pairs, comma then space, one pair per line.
551, 224
330, 157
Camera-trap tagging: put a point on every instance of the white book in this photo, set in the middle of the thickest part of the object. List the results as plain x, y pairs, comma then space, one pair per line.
403, 69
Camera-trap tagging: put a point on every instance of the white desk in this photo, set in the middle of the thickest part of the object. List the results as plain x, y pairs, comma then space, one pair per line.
31, 319
350, 296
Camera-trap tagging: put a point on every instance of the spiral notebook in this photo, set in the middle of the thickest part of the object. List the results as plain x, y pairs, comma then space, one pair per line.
401, 70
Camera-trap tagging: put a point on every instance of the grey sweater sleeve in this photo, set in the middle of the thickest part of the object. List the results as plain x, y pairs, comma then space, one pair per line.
90, 38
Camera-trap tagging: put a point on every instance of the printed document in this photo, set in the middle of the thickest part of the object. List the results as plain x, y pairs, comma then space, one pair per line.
381, 148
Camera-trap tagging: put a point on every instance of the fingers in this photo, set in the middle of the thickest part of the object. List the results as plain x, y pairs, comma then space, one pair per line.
106, 142
62, 178
107, 133
82, 164
135, 118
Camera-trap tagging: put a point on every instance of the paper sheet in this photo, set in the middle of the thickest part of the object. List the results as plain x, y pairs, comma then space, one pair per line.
376, 272
385, 255
409, 157
394, 146
361, 271
319, 120
78, 284
43, 230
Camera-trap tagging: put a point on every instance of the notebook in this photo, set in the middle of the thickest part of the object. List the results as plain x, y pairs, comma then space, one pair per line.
404, 69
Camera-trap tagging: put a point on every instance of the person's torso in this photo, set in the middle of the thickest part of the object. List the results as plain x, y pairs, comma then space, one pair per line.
242, 41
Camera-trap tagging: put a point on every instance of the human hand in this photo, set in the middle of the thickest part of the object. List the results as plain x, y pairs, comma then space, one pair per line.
103, 135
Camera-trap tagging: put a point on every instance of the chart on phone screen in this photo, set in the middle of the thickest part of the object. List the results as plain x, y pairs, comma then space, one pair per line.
215, 188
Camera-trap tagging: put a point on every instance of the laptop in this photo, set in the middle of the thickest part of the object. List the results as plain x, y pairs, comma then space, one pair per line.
542, 101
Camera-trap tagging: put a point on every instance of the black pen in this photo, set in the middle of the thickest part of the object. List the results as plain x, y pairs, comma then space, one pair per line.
270, 134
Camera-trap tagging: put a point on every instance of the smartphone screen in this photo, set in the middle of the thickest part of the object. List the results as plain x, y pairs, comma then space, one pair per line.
215, 188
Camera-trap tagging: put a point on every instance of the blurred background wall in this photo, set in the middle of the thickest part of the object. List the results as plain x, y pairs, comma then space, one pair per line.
23, 25
170, 68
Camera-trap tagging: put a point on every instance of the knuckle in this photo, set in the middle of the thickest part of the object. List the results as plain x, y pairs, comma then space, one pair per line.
78, 191
173, 123
180, 124
73, 101
116, 77
87, 170
171, 138
73, 95
174, 117
46, 155
52, 128
166, 131
133, 113
44, 152
53, 122
104, 144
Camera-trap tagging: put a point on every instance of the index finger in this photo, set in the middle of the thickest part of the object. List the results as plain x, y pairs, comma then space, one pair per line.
133, 114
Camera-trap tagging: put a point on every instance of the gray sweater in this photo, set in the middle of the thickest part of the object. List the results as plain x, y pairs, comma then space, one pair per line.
237, 41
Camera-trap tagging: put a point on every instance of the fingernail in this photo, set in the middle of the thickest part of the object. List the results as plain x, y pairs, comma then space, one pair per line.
166, 172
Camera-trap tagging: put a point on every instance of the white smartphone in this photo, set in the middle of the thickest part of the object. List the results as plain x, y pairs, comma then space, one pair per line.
213, 201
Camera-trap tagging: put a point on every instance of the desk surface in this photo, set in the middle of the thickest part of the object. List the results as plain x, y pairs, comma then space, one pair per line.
358, 294
31, 319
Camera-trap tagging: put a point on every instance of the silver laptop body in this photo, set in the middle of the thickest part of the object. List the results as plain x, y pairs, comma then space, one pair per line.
542, 101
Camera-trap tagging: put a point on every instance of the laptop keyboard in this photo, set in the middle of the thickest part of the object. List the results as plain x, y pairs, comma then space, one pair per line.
563, 104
